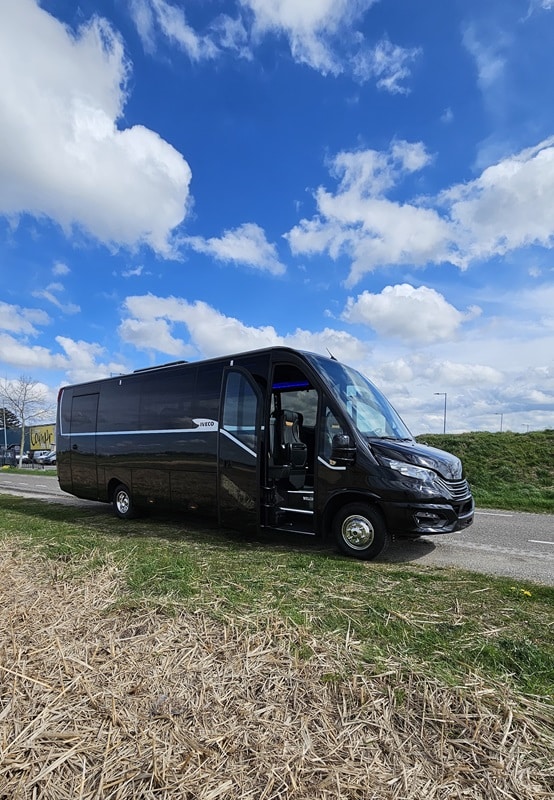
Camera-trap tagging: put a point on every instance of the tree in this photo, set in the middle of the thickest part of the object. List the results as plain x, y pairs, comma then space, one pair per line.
26, 401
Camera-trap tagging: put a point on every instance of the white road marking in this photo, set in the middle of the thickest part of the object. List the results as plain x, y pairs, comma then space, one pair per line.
493, 514
539, 541
508, 551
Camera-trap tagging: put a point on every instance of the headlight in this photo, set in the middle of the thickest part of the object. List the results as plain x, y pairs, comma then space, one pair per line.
410, 470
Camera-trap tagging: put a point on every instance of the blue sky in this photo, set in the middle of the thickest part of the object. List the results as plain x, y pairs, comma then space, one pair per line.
373, 178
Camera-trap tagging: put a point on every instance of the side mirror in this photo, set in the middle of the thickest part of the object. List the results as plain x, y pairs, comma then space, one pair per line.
343, 452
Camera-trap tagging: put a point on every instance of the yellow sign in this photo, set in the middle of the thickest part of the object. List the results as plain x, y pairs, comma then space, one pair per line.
42, 437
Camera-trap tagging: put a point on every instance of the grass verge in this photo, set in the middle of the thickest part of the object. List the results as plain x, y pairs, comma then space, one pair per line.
448, 624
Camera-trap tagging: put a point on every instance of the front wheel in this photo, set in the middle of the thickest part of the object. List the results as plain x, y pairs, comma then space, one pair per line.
360, 531
122, 503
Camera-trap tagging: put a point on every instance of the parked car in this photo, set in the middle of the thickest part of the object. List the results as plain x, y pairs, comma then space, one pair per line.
47, 460
39, 455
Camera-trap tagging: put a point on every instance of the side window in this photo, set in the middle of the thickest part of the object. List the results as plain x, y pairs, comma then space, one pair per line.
65, 411
118, 405
292, 390
331, 426
83, 413
208, 390
304, 403
166, 401
240, 410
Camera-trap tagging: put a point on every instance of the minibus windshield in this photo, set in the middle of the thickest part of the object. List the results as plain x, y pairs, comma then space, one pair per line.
368, 409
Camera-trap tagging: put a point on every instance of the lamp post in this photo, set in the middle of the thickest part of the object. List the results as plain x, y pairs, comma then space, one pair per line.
443, 394
501, 415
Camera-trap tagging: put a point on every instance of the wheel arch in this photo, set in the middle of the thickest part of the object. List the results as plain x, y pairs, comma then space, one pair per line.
112, 486
340, 499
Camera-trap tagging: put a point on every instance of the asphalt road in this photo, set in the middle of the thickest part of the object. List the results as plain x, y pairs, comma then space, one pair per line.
509, 543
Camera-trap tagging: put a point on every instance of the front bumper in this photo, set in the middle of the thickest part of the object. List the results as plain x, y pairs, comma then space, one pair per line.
427, 519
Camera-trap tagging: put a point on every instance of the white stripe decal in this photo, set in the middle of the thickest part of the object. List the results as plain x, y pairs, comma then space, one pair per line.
238, 442
202, 425
135, 433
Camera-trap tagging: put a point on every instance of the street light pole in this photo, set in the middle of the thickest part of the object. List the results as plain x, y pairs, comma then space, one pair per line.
444, 421
501, 415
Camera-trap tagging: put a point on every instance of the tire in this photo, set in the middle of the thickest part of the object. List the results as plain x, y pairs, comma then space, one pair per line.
123, 503
360, 531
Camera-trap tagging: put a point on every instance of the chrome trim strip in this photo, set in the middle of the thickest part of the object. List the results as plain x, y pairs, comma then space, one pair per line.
329, 466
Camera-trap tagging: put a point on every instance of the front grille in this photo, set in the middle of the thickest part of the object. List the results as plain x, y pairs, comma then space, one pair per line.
458, 490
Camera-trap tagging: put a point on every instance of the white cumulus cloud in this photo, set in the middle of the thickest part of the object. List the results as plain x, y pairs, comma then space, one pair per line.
179, 328
83, 361
504, 209
152, 15
419, 316
246, 245
309, 25
21, 321
321, 34
388, 63
63, 154
174, 326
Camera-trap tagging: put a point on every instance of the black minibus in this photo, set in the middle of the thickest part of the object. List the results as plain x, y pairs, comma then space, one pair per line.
274, 439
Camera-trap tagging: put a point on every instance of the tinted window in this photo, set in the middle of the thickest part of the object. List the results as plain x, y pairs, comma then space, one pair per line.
65, 411
208, 389
167, 400
240, 409
83, 413
119, 405
257, 366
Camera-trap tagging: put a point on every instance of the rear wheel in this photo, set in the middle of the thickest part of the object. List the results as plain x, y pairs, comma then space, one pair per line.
360, 531
122, 503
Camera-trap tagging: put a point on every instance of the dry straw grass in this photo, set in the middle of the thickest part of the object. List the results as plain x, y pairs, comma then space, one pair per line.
101, 703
